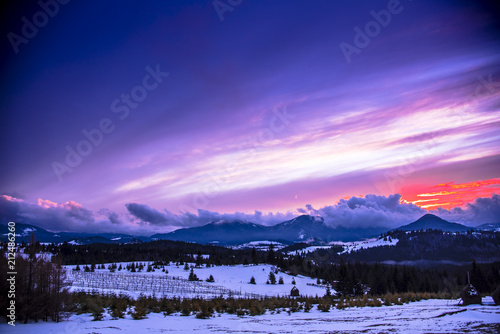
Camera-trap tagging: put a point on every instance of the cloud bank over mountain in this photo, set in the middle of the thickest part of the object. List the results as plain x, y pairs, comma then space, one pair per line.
369, 211
140, 219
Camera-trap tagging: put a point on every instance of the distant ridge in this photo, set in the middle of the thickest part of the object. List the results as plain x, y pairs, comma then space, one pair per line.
299, 229
430, 221
24, 232
489, 227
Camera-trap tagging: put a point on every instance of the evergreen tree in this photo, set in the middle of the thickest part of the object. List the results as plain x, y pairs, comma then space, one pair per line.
270, 254
252, 280
328, 292
255, 257
478, 279
118, 307
199, 260
95, 308
271, 278
192, 276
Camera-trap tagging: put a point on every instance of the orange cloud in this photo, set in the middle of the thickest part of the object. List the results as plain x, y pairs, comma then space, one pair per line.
451, 194
437, 194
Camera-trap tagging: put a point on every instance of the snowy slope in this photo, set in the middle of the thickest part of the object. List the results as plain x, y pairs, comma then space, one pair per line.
233, 278
307, 250
370, 243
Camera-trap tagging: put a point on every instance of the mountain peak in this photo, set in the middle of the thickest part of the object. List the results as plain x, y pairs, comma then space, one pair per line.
304, 219
430, 221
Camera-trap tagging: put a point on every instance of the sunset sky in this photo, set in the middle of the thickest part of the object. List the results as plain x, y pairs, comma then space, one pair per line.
149, 115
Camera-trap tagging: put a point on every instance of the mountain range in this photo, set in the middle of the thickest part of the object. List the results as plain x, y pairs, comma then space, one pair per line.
299, 229
304, 228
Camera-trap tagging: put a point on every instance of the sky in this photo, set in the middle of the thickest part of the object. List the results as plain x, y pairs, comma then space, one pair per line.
148, 116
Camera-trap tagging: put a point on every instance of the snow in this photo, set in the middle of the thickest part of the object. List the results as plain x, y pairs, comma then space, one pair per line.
233, 278
262, 245
74, 242
307, 250
428, 316
28, 230
369, 243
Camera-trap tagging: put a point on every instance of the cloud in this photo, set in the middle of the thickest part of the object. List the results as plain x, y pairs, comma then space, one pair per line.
371, 211
368, 212
391, 212
486, 209
483, 210
152, 216
206, 216
60, 217
147, 214
113, 217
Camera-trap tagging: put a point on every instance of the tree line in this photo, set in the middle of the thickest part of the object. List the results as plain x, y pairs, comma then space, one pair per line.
40, 291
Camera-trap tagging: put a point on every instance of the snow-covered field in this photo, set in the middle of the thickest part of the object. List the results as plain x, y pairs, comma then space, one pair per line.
233, 278
430, 316
427, 316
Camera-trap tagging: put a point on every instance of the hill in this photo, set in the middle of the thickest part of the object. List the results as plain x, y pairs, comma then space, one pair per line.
221, 232
430, 221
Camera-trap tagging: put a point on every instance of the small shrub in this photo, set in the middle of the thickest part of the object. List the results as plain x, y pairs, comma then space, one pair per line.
241, 312
205, 312
324, 307
139, 312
